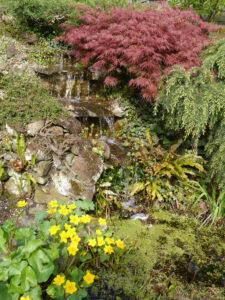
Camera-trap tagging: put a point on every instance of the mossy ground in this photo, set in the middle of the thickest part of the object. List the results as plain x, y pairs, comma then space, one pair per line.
174, 257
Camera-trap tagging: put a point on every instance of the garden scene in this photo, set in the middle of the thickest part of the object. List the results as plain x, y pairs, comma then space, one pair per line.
112, 150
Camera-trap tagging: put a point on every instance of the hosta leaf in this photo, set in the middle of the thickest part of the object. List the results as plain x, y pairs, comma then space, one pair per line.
16, 269
31, 246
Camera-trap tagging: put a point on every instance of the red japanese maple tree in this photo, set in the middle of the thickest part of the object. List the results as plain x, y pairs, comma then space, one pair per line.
146, 44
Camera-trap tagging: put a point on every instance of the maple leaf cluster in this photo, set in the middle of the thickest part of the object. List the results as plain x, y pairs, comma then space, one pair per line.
144, 43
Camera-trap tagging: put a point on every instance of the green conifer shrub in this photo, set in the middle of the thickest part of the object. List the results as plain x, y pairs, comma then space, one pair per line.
194, 102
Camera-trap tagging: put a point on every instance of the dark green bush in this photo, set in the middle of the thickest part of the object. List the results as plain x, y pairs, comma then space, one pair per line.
193, 101
44, 16
25, 100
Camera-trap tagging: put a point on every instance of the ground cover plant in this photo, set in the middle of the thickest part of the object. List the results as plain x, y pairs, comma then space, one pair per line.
141, 45
25, 100
55, 257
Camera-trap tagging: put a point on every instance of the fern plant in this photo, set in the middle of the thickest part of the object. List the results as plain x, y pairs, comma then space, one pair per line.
193, 102
161, 167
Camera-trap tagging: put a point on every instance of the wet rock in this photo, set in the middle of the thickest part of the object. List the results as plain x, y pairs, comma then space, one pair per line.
79, 144
42, 168
87, 167
139, 216
35, 127
57, 162
71, 124
11, 50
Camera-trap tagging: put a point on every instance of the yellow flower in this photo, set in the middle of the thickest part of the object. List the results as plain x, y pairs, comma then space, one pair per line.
84, 253
51, 211
86, 219
53, 204
67, 226
25, 298
110, 241
98, 232
74, 219
59, 280
120, 244
75, 239
71, 232
54, 229
21, 204
101, 221
92, 242
64, 211
72, 206
70, 287
89, 278
63, 236
100, 241
108, 249
72, 249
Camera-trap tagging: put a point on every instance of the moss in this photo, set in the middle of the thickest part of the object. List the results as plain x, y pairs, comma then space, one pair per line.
176, 256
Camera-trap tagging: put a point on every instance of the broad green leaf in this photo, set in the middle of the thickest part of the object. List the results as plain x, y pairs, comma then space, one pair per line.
31, 246
24, 234
4, 291
4, 274
16, 269
53, 253
28, 278
104, 257
44, 228
41, 264
3, 241
35, 293
14, 286
76, 274
8, 226
78, 295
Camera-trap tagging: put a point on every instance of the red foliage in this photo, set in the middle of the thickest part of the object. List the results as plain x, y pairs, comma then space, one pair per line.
144, 43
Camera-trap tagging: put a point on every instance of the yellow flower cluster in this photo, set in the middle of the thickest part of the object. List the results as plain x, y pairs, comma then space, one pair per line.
64, 210
21, 204
25, 298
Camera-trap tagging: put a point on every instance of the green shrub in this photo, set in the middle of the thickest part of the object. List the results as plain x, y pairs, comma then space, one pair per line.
193, 101
44, 16
207, 9
25, 100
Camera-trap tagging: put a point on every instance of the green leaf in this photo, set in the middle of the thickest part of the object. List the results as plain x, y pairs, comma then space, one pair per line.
4, 274
31, 246
8, 226
78, 295
24, 234
28, 278
40, 216
16, 269
4, 291
35, 293
14, 286
43, 228
53, 253
85, 204
41, 264
104, 257
139, 186
3, 241
76, 275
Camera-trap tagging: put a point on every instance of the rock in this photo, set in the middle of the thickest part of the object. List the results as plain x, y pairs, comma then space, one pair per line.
119, 124
71, 124
57, 162
117, 110
79, 144
10, 130
105, 147
139, 216
2, 94
11, 50
29, 38
35, 147
1, 188
42, 168
41, 180
36, 209
35, 127
17, 185
87, 167
50, 193
69, 159
54, 131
